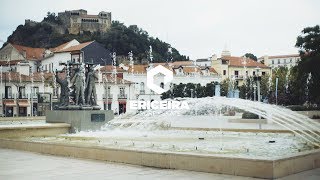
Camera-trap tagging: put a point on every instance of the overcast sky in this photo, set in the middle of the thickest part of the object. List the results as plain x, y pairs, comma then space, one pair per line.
197, 28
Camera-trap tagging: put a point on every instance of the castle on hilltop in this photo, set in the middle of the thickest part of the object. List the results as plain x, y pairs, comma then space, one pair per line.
78, 21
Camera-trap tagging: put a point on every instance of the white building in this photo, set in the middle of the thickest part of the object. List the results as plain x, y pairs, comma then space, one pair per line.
183, 72
289, 61
61, 54
19, 93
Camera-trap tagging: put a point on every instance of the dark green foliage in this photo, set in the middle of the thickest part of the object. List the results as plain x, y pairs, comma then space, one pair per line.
309, 44
224, 87
52, 18
251, 56
248, 115
118, 38
190, 90
303, 108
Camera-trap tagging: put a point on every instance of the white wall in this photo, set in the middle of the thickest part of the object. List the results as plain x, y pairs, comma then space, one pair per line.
55, 60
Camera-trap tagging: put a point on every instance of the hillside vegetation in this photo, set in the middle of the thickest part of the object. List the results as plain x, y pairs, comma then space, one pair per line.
119, 38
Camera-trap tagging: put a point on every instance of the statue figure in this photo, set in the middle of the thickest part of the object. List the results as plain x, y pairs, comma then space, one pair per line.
64, 90
78, 83
91, 97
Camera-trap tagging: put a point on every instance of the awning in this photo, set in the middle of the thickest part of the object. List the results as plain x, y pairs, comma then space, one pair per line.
122, 101
9, 103
23, 104
109, 102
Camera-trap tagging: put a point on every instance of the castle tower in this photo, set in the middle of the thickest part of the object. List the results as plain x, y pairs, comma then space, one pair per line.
225, 52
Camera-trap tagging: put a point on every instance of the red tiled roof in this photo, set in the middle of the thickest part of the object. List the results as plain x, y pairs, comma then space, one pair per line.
11, 62
109, 68
15, 77
76, 47
183, 63
60, 47
211, 69
284, 56
238, 62
191, 69
31, 53
109, 78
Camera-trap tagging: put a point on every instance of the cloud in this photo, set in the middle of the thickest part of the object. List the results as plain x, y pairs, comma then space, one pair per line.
197, 28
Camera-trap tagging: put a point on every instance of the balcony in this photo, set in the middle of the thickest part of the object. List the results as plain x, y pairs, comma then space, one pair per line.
122, 96
237, 77
142, 92
110, 96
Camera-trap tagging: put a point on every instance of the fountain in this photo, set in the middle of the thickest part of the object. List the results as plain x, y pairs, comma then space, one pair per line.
307, 88
202, 138
203, 135
79, 107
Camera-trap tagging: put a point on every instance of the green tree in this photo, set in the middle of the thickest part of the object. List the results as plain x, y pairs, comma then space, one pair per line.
309, 44
119, 38
251, 56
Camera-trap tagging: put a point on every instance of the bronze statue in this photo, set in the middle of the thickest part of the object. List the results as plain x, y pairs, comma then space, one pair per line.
91, 96
64, 90
78, 83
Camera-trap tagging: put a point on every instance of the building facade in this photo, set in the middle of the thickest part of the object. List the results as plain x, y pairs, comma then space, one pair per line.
78, 21
239, 68
73, 51
288, 61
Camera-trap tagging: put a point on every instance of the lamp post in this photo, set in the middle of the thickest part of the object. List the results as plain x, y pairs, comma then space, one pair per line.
257, 78
277, 80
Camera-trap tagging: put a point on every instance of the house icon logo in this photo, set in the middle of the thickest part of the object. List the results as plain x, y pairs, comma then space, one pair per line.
168, 76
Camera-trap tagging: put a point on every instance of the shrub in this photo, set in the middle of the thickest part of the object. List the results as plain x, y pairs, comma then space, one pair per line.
249, 115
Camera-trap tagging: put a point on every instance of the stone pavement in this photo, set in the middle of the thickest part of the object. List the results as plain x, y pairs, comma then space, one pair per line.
27, 165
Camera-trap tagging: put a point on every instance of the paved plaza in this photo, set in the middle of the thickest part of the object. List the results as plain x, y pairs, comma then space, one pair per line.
27, 165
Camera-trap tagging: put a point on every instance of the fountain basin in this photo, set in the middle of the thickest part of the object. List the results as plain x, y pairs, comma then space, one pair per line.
251, 167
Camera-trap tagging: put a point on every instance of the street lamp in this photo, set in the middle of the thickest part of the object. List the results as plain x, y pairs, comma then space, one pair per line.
257, 78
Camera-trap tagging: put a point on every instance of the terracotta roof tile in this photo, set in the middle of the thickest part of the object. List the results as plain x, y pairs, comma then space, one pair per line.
109, 68
183, 63
31, 53
76, 47
15, 77
11, 62
238, 61
110, 79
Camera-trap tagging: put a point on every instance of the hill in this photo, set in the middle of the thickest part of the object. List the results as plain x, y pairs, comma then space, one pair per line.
118, 38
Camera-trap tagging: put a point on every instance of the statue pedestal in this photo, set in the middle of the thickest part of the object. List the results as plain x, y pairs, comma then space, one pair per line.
80, 120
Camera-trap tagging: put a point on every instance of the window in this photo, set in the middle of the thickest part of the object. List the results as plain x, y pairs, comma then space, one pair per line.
35, 91
263, 73
22, 92
236, 73
278, 61
109, 90
284, 61
8, 92
122, 91
290, 60
142, 86
162, 85
224, 72
272, 61
247, 73
254, 73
